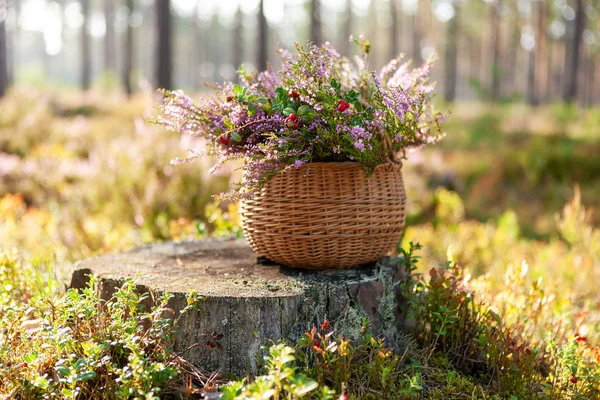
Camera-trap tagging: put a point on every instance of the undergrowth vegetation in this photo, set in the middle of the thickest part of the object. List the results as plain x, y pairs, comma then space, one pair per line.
501, 295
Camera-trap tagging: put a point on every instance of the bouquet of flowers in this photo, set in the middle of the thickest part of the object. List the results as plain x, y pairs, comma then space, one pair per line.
320, 107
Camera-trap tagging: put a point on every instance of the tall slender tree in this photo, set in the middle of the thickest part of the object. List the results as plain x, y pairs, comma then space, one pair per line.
238, 41
394, 30
128, 50
263, 38
164, 51
13, 41
450, 62
416, 38
3, 53
540, 54
496, 68
574, 54
513, 48
347, 28
110, 60
316, 34
86, 62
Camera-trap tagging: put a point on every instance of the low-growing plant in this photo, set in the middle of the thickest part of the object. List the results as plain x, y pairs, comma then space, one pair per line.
78, 346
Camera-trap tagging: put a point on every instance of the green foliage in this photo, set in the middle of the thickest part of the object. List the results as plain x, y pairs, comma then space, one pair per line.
77, 346
282, 381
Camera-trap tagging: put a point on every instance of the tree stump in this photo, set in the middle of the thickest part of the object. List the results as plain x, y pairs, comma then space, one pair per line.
245, 302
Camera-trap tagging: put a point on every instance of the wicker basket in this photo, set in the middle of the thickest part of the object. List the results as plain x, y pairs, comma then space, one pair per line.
327, 215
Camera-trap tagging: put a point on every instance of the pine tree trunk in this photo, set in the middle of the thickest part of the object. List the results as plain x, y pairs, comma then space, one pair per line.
238, 42
315, 22
194, 51
3, 58
394, 30
451, 58
416, 39
164, 67
12, 42
86, 62
531, 79
495, 69
574, 56
540, 54
128, 51
263, 38
513, 48
110, 61
345, 48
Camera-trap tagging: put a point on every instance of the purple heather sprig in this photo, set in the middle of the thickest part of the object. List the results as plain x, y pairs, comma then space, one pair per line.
320, 107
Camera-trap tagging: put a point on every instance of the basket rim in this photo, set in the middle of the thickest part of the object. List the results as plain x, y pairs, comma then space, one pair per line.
346, 164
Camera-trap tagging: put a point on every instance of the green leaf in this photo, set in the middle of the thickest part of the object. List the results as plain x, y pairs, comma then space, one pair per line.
67, 392
574, 369
29, 358
236, 137
288, 111
85, 376
237, 89
303, 110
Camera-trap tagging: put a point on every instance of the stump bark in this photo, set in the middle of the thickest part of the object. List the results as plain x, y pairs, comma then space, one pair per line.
245, 302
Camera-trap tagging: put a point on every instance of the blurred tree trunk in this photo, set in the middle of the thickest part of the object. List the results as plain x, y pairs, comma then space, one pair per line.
128, 50
588, 82
416, 38
531, 78
495, 69
315, 22
345, 48
194, 41
450, 59
3, 58
540, 54
263, 38
164, 67
394, 30
513, 48
238, 42
110, 56
86, 62
574, 54
14, 42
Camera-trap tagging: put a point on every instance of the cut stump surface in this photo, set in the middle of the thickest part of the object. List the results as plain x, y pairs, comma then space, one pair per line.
245, 301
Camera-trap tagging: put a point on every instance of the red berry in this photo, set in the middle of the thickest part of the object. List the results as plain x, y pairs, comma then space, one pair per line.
293, 122
229, 99
573, 379
293, 95
316, 343
343, 106
325, 325
225, 140
343, 397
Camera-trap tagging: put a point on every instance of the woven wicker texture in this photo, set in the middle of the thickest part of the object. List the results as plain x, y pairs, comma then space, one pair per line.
327, 215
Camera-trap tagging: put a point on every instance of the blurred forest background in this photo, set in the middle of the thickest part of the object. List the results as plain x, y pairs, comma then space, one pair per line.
538, 51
